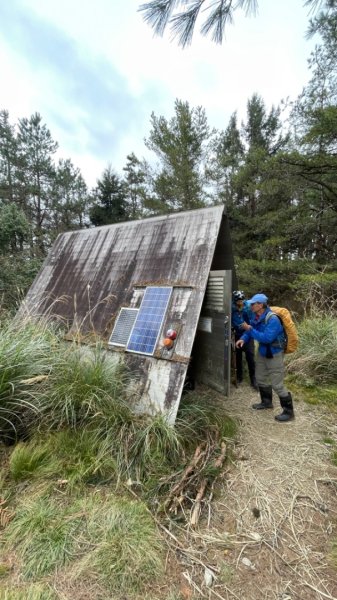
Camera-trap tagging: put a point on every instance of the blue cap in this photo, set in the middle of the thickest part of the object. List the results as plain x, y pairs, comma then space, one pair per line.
258, 298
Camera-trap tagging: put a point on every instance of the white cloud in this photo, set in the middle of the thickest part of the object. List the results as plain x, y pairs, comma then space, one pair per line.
95, 72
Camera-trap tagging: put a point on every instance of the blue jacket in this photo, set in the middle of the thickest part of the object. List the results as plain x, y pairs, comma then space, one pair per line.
268, 333
241, 316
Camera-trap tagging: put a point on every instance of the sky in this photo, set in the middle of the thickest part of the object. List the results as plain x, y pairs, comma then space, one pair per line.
95, 72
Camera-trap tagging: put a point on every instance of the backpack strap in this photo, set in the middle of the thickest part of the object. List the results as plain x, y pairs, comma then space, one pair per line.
277, 343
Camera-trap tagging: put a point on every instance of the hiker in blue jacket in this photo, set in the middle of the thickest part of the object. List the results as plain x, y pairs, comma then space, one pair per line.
266, 328
241, 313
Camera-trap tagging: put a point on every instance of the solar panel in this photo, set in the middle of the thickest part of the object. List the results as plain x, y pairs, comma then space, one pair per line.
123, 327
146, 330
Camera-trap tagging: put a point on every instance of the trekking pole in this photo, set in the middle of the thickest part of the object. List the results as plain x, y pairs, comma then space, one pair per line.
234, 375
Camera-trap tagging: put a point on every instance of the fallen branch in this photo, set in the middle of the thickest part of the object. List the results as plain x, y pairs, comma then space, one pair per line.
202, 489
197, 505
190, 468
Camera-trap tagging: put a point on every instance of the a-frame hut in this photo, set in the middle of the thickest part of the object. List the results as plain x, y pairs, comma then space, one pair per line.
157, 290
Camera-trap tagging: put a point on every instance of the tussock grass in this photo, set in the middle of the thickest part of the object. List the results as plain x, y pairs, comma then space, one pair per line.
87, 442
315, 360
146, 448
24, 353
76, 457
84, 456
142, 450
85, 384
31, 460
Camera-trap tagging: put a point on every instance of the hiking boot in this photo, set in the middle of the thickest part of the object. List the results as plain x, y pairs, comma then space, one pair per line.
288, 410
266, 394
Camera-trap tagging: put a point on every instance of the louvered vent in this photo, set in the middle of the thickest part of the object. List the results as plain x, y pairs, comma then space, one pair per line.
123, 326
215, 293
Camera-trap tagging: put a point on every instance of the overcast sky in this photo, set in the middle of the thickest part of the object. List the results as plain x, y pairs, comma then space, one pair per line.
95, 72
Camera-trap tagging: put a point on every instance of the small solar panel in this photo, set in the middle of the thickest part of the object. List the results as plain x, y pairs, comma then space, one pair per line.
146, 330
123, 327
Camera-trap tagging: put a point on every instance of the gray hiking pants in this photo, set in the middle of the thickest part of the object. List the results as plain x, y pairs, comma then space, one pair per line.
270, 371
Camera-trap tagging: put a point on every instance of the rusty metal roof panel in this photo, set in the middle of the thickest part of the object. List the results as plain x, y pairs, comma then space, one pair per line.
90, 274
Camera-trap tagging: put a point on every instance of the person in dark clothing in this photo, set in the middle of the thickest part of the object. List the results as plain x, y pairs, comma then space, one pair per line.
241, 313
266, 328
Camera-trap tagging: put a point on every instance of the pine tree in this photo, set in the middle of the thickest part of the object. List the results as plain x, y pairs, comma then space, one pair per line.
8, 159
70, 199
181, 145
110, 200
135, 178
36, 149
160, 14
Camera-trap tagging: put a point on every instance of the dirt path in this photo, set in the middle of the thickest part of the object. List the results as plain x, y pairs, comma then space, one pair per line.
278, 507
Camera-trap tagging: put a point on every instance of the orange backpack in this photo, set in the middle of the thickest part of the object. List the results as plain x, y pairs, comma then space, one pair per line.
289, 327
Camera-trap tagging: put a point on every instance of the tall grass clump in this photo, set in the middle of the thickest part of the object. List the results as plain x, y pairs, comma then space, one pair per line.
146, 448
24, 354
32, 460
315, 360
86, 384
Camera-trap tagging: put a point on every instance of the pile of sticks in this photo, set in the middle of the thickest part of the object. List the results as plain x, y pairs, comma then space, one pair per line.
197, 478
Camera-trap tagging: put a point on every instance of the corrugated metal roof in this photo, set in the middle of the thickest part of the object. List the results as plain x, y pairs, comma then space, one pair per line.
90, 274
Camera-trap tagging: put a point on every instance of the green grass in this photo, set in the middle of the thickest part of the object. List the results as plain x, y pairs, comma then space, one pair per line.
24, 353
44, 534
4, 570
77, 457
31, 460
311, 393
314, 362
66, 485
125, 549
329, 441
86, 384
114, 540
140, 449
30, 592
146, 449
